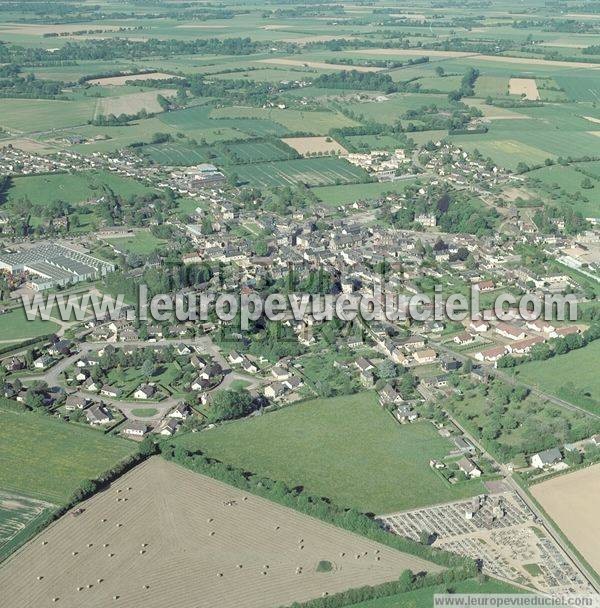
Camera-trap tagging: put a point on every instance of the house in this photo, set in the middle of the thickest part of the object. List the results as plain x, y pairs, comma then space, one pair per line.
367, 379
491, 354
413, 343
180, 412
463, 338
280, 373
388, 395
596, 440
135, 428
546, 458
248, 366
98, 414
522, 347
398, 356
200, 384
43, 362
183, 349
275, 390
469, 468
235, 358
212, 371
479, 326
364, 365
13, 364
76, 402
90, 385
463, 445
541, 326
60, 347
561, 332
427, 355
512, 332
82, 376
404, 413
293, 383
110, 391
170, 428
197, 362
145, 391
484, 286
450, 364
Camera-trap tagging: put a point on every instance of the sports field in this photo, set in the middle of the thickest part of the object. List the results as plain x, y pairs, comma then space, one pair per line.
162, 535
310, 171
365, 459
573, 377
143, 243
46, 458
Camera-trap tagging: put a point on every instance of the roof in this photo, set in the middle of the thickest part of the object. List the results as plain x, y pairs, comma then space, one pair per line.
549, 456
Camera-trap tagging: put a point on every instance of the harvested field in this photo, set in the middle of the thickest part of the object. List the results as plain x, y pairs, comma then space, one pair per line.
524, 86
323, 145
318, 64
162, 535
414, 52
571, 500
592, 119
119, 80
132, 103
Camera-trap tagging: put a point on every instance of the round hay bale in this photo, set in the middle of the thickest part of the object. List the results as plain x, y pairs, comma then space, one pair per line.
55, 599
100, 580
142, 552
212, 533
301, 547
44, 542
239, 566
219, 574
79, 588
89, 586
111, 555
39, 578
378, 558
103, 519
210, 520
119, 525
105, 545
73, 553
90, 544
342, 554
145, 586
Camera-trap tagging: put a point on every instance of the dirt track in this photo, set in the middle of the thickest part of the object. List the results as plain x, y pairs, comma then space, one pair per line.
199, 553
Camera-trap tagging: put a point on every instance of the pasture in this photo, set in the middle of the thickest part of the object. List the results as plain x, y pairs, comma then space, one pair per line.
46, 458
72, 188
365, 459
310, 171
162, 535
573, 377
571, 500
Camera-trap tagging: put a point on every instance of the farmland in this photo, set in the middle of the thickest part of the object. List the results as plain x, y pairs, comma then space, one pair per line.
573, 377
189, 533
47, 459
132, 103
570, 500
346, 194
309, 171
362, 445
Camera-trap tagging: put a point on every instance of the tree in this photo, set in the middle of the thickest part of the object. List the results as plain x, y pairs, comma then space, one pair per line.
386, 370
439, 70
230, 404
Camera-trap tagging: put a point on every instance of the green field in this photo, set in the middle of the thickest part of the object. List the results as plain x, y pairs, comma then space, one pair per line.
175, 153
310, 171
258, 151
423, 598
365, 459
72, 187
573, 377
346, 194
46, 458
143, 243
34, 115
144, 412
15, 327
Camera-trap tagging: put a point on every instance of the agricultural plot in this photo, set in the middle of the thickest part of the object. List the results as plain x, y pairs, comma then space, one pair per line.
309, 171
37, 115
162, 535
580, 85
365, 459
523, 87
132, 103
121, 80
315, 145
258, 151
571, 501
175, 154
45, 458
16, 514
573, 377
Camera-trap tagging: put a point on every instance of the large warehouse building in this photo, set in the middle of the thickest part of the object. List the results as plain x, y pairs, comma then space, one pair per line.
53, 265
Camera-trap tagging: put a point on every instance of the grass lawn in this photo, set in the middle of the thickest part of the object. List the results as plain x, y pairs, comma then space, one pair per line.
350, 193
423, 598
144, 412
45, 458
573, 377
14, 326
143, 243
365, 459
